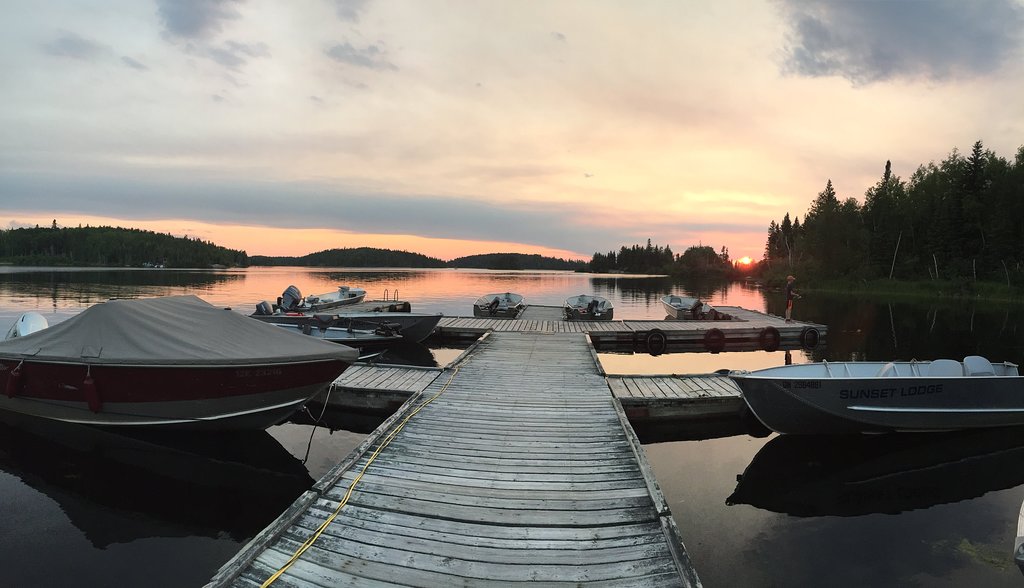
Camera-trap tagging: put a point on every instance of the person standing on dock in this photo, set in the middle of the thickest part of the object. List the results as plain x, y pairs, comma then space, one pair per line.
790, 295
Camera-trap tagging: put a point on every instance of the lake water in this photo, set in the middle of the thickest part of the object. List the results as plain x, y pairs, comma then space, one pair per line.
91, 508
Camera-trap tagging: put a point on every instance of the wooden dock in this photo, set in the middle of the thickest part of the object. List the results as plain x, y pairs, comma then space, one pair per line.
383, 388
514, 465
749, 330
677, 397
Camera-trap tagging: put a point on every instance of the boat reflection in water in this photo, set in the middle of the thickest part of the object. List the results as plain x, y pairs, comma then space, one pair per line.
839, 475
117, 488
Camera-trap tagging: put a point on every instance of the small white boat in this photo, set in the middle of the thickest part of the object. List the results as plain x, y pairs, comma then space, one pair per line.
682, 307
501, 305
685, 308
291, 300
588, 308
28, 323
874, 396
343, 296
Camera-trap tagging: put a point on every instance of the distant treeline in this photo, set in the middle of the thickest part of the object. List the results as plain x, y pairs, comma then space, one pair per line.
112, 247
357, 257
960, 220
517, 261
372, 257
654, 259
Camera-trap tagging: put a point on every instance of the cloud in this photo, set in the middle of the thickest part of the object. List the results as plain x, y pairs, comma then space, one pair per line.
233, 55
866, 42
133, 63
196, 19
371, 57
69, 44
350, 10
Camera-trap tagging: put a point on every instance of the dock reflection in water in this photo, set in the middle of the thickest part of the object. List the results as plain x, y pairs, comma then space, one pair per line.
840, 475
118, 488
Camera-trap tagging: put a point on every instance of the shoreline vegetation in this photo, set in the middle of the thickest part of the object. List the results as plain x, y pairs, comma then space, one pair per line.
953, 230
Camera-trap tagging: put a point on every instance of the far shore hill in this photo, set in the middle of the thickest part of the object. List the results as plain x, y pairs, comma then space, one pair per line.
372, 257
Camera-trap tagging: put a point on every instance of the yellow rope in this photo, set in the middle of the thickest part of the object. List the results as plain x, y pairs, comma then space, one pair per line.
351, 488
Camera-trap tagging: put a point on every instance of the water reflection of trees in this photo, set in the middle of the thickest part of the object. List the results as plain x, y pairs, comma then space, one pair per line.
650, 290
90, 286
872, 330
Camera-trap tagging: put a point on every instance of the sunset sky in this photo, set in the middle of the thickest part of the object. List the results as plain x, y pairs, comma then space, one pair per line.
460, 127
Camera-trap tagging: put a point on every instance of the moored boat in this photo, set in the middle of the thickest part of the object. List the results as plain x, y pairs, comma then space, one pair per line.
686, 308
588, 308
26, 324
499, 305
165, 362
851, 397
291, 300
384, 334
413, 326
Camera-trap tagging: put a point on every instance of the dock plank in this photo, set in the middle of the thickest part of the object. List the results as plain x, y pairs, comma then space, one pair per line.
522, 444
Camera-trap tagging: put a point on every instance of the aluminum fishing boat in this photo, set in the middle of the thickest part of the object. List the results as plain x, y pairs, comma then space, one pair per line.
588, 308
850, 397
291, 300
500, 305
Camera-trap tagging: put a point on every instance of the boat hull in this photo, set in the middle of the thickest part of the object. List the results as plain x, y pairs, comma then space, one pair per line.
676, 312
413, 326
509, 312
225, 397
505, 305
580, 314
844, 405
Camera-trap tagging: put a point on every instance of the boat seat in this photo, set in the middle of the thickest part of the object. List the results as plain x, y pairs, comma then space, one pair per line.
976, 365
945, 368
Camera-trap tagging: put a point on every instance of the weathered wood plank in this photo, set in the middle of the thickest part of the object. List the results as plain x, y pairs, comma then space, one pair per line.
513, 465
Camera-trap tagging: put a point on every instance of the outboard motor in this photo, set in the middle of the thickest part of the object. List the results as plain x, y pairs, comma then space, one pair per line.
264, 308
291, 299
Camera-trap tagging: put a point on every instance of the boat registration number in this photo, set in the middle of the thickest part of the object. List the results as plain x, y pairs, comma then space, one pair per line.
802, 384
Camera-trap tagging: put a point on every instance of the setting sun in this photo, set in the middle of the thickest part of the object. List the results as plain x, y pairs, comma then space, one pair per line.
744, 261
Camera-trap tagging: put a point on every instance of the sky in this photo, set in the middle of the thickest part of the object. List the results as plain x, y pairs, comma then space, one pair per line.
453, 127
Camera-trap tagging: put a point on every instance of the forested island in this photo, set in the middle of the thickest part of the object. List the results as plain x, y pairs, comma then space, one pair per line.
517, 261
373, 257
111, 247
653, 259
354, 257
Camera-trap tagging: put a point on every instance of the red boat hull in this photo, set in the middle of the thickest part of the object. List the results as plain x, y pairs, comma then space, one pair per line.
196, 397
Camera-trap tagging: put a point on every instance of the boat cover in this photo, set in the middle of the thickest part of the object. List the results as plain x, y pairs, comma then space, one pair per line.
172, 330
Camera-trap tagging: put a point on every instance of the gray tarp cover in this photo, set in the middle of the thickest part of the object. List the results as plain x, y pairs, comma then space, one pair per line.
173, 330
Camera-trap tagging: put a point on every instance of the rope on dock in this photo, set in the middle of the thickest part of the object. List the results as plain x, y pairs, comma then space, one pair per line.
351, 488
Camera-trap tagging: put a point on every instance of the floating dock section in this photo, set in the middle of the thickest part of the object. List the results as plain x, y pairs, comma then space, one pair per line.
514, 465
747, 331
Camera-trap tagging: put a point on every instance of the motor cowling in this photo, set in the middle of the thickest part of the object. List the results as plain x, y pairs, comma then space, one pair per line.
291, 298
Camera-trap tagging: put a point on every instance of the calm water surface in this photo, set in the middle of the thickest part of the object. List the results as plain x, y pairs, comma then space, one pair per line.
93, 508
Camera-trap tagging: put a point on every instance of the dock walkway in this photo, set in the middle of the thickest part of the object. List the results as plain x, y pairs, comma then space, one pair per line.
383, 388
514, 465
